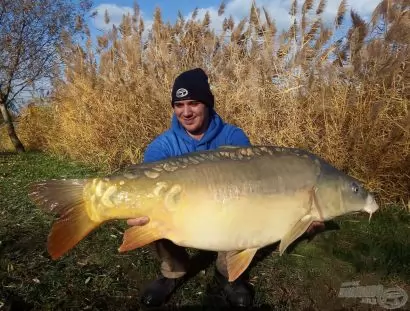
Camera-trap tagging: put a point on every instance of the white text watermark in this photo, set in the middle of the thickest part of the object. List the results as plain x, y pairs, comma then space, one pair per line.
388, 298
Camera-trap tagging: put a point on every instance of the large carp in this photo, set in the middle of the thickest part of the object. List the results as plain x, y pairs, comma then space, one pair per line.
234, 199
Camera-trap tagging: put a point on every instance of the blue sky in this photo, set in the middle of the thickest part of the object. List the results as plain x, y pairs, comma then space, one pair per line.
237, 8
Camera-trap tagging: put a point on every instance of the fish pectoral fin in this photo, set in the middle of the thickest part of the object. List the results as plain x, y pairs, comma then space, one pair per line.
139, 236
238, 261
297, 230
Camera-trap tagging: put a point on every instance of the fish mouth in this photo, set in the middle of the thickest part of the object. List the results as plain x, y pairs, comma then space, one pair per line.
371, 206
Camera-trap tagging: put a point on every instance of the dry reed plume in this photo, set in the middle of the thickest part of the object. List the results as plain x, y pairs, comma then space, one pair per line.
346, 100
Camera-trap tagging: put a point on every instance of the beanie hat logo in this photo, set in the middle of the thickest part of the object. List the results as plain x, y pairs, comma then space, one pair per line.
181, 92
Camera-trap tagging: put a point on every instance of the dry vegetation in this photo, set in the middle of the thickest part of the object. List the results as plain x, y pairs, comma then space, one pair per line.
346, 100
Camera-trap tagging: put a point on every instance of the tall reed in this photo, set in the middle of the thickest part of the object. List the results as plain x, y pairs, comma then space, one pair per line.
346, 100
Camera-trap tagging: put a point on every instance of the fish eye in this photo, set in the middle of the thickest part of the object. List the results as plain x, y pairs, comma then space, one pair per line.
355, 187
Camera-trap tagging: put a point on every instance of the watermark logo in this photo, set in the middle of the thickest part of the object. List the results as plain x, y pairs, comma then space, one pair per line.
390, 298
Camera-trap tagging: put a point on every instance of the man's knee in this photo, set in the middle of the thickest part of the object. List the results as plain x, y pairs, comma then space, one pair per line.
221, 264
174, 258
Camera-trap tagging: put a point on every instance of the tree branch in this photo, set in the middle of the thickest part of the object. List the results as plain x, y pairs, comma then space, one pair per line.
12, 70
24, 84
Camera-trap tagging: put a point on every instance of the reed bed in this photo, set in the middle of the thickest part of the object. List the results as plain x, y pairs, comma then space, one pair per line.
343, 95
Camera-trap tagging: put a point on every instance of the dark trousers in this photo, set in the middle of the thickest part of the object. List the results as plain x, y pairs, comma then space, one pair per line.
175, 260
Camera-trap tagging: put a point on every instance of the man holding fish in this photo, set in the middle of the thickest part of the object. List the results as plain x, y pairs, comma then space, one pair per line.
203, 186
195, 127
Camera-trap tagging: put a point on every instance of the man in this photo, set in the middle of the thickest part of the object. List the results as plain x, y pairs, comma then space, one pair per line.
195, 126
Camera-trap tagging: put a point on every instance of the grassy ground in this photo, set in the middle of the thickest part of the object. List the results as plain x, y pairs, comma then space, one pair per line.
93, 276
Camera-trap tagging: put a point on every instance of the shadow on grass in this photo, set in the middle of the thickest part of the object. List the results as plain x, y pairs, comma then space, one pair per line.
15, 303
22, 242
7, 153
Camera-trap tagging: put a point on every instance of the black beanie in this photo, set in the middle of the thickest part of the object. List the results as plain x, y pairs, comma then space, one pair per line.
193, 84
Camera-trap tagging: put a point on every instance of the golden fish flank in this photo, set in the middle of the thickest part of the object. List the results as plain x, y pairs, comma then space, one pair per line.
106, 198
172, 197
160, 188
201, 200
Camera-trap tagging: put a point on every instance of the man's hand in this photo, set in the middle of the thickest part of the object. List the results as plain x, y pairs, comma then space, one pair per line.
140, 221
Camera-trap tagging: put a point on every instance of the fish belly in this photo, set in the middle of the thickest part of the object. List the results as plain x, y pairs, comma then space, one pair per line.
249, 222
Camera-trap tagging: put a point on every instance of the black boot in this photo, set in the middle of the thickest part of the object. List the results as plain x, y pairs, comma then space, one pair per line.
238, 293
158, 291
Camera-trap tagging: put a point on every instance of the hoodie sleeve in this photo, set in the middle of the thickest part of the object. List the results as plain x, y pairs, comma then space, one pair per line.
155, 151
239, 138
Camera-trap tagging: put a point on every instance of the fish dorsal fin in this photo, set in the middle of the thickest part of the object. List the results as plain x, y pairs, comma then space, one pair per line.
238, 261
228, 147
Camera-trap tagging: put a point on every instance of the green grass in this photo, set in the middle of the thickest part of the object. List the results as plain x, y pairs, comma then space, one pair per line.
94, 276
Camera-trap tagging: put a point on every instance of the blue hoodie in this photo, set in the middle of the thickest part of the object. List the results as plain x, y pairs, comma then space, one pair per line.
175, 141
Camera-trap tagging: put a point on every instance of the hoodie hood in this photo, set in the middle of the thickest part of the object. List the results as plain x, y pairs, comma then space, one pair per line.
215, 127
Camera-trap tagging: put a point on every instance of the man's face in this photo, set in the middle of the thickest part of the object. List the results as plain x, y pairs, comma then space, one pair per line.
192, 114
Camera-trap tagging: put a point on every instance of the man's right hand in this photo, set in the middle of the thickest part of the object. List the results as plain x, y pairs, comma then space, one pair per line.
140, 221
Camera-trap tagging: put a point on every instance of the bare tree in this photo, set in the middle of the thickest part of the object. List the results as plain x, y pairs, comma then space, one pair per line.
31, 34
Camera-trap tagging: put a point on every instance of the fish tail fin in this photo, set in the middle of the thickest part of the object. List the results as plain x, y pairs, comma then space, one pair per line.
65, 198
